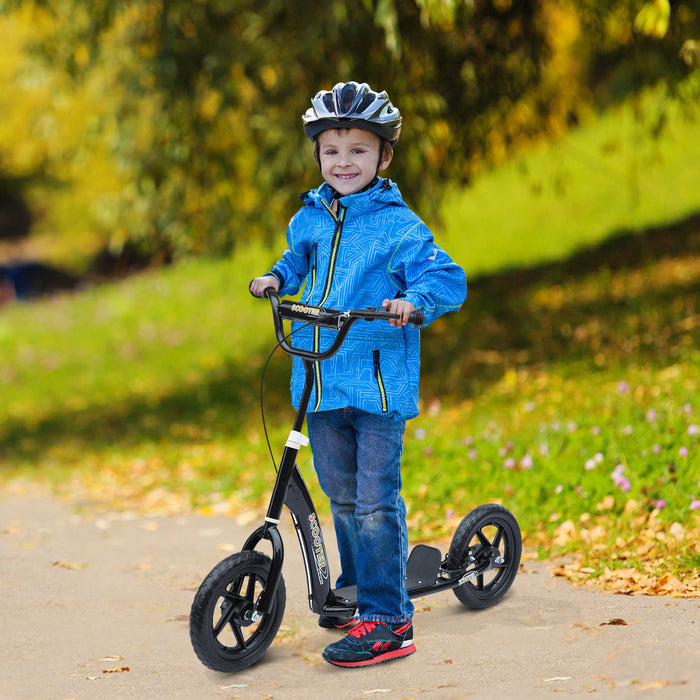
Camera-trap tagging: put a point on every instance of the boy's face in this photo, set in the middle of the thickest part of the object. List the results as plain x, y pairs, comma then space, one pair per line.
349, 158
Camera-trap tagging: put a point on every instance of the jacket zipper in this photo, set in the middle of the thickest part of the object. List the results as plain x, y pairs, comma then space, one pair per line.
335, 244
380, 381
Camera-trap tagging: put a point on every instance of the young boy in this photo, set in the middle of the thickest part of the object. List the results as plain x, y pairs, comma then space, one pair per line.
355, 244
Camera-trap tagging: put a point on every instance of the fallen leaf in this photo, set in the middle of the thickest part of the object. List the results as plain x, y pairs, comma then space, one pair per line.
655, 685
614, 621
112, 657
558, 678
71, 565
116, 669
179, 618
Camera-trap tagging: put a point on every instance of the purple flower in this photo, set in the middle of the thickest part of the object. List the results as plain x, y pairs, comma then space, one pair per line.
694, 429
624, 484
619, 478
623, 388
509, 463
656, 449
660, 504
651, 415
695, 504
590, 464
544, 450
526, 462
683, 452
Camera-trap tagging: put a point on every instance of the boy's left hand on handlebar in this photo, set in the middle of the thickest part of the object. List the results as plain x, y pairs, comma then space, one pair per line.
401, 307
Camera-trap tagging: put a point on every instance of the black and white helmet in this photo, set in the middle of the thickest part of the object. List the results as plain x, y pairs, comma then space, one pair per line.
353, 105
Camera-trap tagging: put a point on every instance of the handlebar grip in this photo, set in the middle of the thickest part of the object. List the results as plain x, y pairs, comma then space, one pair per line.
417, 318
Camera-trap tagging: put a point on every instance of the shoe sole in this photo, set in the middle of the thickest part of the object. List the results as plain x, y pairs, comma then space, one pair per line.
395, 654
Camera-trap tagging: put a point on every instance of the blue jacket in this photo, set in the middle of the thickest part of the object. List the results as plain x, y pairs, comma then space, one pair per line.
376, 248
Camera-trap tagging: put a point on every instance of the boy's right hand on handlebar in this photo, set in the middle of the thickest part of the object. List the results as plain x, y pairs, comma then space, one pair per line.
260, 284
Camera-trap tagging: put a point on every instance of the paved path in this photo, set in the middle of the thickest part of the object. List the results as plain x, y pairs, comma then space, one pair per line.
82, 594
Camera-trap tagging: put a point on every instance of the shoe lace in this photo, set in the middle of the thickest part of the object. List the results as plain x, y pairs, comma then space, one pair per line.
363, 628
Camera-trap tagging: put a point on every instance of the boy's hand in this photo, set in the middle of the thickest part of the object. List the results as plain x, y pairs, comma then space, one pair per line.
260, 284
401, 307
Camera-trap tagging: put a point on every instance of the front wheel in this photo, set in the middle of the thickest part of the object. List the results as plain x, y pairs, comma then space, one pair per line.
227, 632
489, 533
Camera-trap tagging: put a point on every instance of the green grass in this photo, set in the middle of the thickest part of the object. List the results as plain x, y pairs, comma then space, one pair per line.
620, 174
144, 393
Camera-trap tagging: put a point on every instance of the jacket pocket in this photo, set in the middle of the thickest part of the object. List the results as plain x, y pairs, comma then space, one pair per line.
380, 381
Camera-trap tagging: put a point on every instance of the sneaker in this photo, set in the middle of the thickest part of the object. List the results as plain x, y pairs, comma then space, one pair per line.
337, 623
371, 643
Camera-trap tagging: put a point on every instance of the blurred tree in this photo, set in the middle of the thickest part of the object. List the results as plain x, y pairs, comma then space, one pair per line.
200, 101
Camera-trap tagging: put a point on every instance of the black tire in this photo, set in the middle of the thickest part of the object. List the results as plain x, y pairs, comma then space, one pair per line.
223, 635
487, 530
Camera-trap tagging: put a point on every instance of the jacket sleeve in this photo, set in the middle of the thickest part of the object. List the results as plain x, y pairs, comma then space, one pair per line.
431, 280
293, 267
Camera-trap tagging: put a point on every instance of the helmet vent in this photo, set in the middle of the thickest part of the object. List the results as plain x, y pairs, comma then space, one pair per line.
347, 97
365, 102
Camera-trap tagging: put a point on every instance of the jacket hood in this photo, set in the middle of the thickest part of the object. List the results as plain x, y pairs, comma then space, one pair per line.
384, 193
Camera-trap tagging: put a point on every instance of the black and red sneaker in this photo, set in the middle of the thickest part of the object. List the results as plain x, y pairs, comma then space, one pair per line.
371, 643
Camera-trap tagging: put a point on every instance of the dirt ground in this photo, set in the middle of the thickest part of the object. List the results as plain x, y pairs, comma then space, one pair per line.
96, 605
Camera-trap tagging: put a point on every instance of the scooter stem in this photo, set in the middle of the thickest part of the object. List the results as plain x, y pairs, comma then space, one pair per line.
279, 492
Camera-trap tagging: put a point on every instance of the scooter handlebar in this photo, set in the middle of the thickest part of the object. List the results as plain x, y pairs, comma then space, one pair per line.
340, 321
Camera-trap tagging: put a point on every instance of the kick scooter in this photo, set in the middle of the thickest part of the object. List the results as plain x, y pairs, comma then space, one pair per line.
239, 606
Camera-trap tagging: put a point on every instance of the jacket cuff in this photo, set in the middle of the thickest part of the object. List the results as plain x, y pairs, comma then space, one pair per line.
278, 275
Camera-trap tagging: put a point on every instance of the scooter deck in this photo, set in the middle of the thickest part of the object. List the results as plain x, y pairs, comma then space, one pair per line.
421, 572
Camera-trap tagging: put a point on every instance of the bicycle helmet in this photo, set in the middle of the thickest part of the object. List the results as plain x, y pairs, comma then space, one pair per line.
353, 105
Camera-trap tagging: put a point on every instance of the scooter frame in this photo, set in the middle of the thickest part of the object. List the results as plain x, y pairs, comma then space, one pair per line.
427, 571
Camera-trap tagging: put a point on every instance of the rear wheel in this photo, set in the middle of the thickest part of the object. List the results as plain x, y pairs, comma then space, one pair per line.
490, 533
227, 632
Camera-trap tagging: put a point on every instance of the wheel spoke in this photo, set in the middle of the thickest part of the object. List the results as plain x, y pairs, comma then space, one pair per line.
250, 592
224, 619
497, 539
238, 635
482, 538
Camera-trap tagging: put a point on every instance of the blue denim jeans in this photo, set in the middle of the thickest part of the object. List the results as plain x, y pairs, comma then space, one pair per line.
357, 456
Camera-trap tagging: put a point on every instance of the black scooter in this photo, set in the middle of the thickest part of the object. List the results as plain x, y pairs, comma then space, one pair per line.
239, 606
